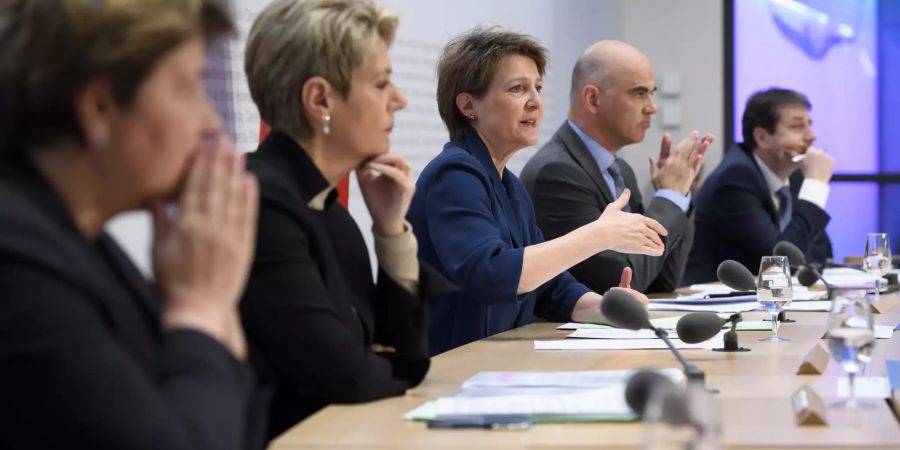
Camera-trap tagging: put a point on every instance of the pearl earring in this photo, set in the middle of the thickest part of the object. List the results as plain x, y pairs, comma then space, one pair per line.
326, 124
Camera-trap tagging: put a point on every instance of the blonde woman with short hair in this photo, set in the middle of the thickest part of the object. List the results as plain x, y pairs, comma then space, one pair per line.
319, 328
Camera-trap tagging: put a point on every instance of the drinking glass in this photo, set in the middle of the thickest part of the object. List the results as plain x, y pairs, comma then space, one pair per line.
774, 290
851, 336
877, 259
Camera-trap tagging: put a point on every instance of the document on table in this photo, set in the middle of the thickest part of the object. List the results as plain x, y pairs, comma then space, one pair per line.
669, 323
662, 322
606, 401
841, 277
726, 308
582, 378
814, 305
884, 331
613, 333
623, 344
865, 387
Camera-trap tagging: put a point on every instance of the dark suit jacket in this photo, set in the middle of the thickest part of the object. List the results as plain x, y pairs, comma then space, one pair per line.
736, 219
312, 310
474, 226
568, 191
83, 363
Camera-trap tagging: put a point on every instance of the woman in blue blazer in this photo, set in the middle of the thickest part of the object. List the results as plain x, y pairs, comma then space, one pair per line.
474, 219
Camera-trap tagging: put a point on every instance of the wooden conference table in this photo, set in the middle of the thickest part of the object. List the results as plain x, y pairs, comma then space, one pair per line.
755, 389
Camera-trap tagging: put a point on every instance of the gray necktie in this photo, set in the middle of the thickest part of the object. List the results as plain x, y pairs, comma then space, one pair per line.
615, 171
784, 208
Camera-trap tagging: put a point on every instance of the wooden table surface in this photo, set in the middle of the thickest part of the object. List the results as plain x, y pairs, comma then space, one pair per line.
755, 389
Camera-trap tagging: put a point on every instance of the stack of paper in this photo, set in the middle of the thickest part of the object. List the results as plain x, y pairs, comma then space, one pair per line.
662, 305
542, 396
625, 344
841, 277
669, 323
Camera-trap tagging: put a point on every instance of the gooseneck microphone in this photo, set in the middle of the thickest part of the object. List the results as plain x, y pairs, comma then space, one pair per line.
734, 275
624, 311
647, 384
807, 274
698, 327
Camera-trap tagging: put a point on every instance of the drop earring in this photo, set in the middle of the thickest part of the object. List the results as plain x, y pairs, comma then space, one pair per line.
326, 124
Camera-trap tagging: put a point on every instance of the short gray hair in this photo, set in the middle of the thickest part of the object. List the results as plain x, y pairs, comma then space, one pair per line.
292, 41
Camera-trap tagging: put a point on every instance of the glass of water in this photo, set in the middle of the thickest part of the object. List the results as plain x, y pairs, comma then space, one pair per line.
877, 260
851, 336
774, 290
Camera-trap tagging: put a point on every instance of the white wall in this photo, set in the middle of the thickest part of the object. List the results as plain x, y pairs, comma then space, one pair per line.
683, 37
677, 35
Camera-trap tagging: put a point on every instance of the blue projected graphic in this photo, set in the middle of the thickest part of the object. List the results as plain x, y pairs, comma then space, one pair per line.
817, 26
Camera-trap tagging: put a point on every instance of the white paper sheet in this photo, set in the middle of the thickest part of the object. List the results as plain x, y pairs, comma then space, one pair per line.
865, 387
849, 278
623, 344
584, 378
814, 305
612, 333
594, 402
884, 332
726, 308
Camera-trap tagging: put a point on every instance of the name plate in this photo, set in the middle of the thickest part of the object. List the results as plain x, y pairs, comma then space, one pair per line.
808, 407
815, 362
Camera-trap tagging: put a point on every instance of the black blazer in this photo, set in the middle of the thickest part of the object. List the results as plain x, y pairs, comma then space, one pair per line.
312, 310
83, 363
568, 192
736, 219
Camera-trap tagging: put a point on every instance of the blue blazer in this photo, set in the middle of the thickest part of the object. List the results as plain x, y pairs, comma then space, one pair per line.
473, 226
736, 219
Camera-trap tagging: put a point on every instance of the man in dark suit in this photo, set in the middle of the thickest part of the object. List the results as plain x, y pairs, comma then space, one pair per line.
759, 194
576, 174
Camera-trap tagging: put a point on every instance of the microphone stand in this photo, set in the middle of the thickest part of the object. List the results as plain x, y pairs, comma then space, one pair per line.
731, 338
693, 374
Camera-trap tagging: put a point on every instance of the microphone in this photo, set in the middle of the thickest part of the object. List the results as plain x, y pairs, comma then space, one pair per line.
734, 275
645, 385
624, 311
795, 257
807, 274
695, 328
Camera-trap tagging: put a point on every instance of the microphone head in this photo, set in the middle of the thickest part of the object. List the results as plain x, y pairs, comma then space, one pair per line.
794, 255
647, 385
734, 275
695, 328
624, 311
639, 387
807, 276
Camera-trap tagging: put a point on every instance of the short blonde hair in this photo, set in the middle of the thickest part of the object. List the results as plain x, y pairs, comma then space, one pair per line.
50, 48
292, 41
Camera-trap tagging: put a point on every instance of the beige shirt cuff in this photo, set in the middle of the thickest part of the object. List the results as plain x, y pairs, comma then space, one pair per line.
398, 257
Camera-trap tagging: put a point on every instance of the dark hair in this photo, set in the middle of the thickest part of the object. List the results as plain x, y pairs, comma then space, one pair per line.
50, 48
763, 110
469, 63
